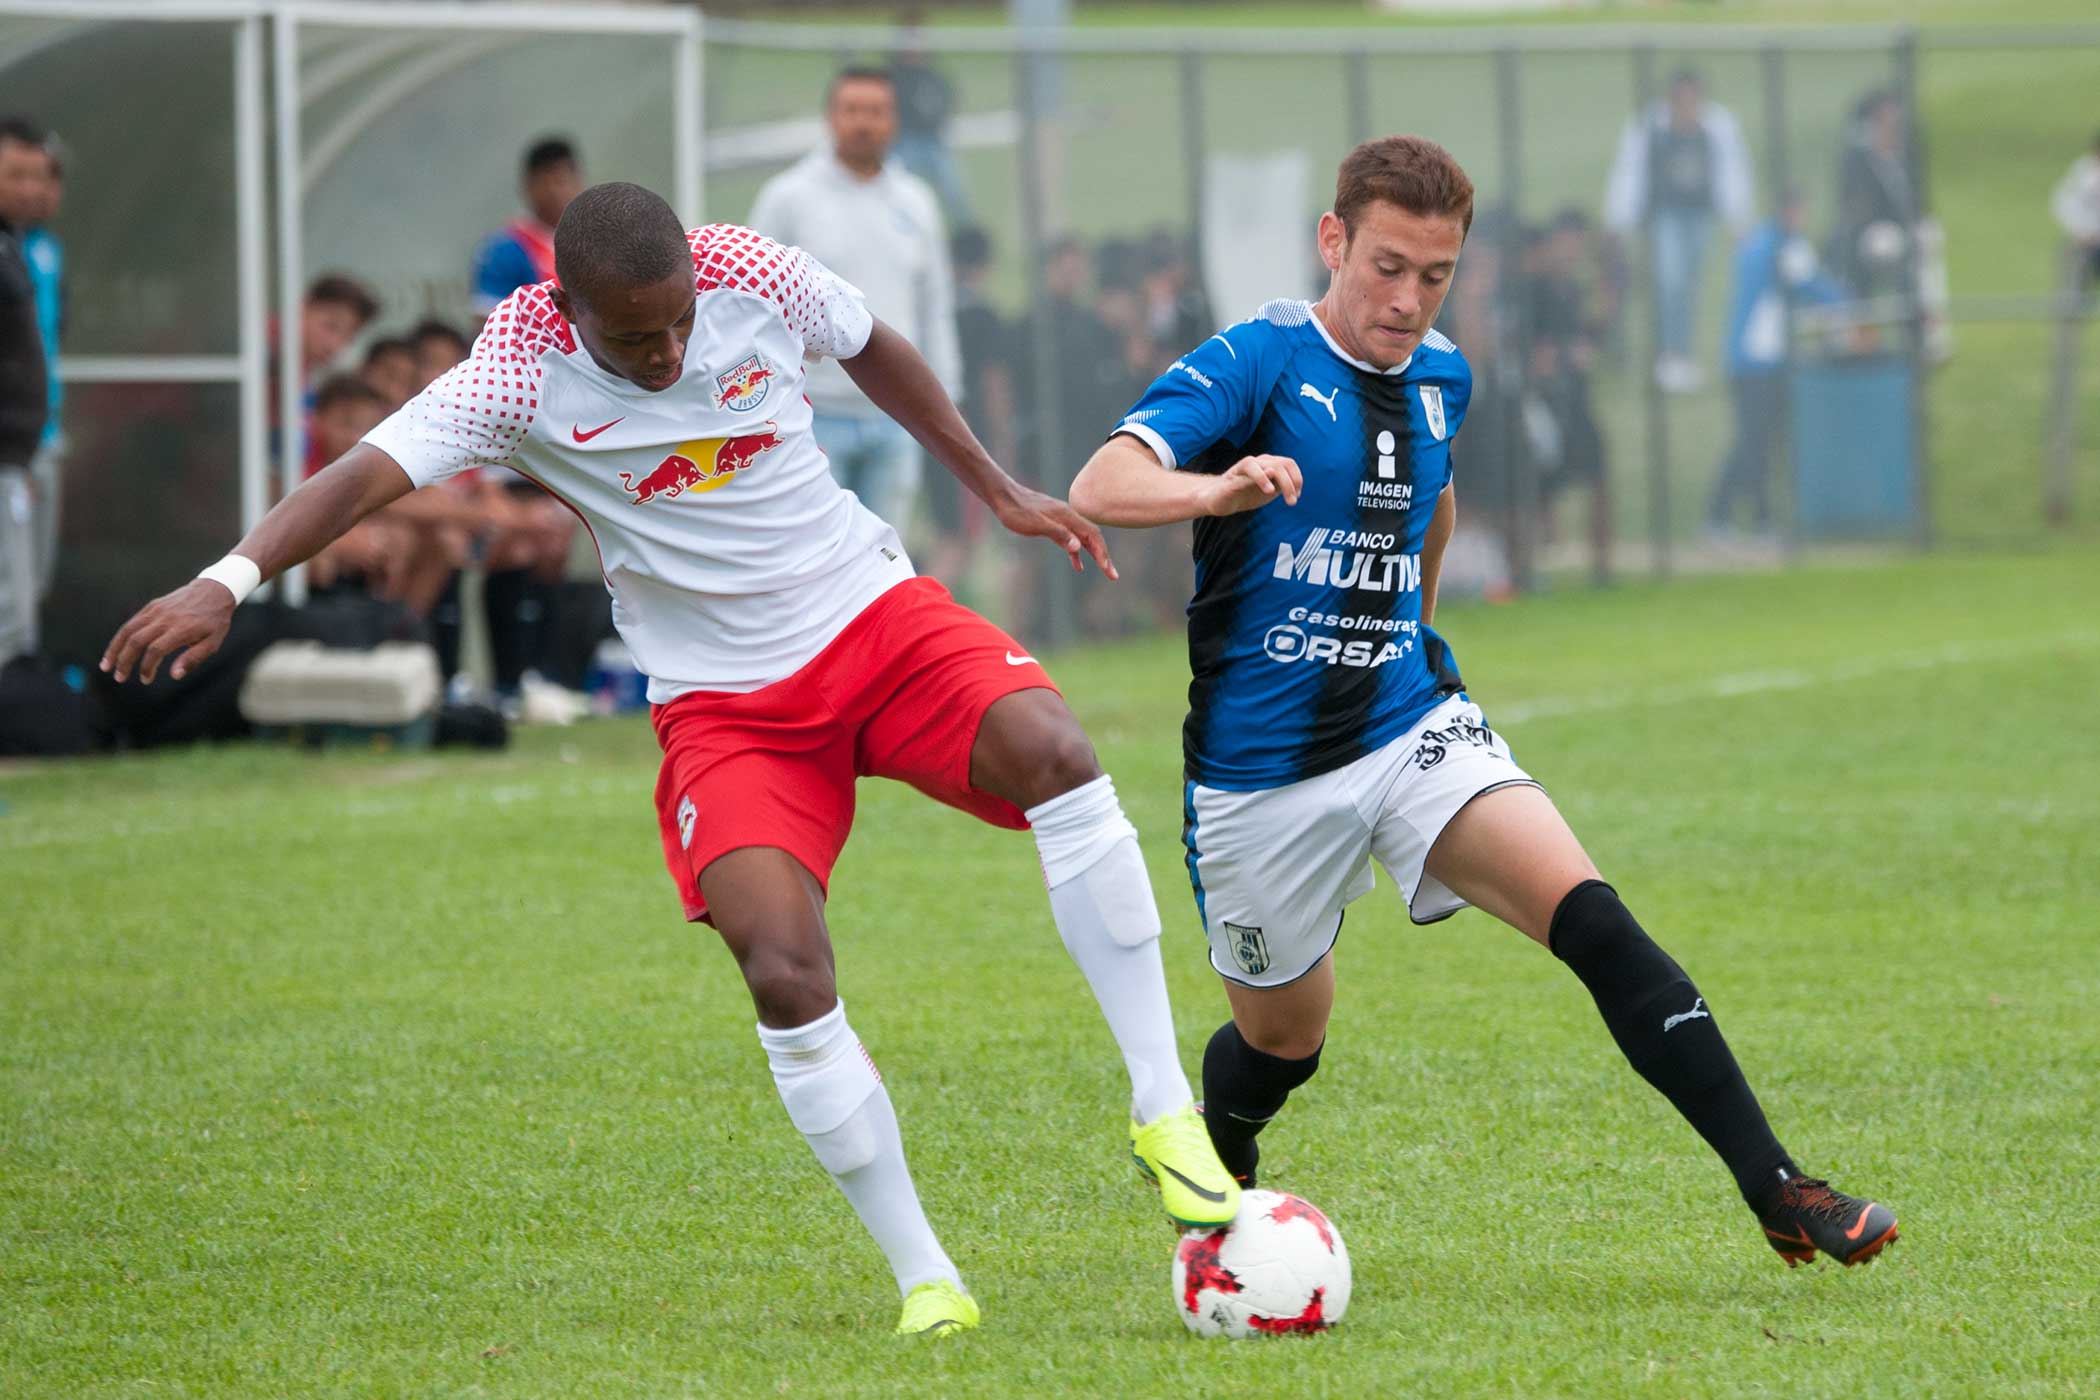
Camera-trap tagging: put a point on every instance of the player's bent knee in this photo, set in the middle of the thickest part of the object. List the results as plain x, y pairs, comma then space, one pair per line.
789, 987
1063, 761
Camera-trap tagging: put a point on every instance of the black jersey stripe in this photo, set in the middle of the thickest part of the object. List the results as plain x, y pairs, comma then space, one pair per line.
1222, 557
1338, 730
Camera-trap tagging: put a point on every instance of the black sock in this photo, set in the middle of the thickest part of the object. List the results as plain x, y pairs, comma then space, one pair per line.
1669, 1035
513, 622
1243, 1088
445, 628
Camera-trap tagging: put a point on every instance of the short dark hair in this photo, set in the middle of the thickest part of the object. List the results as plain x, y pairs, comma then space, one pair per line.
345, 388
1687, 75
855, 73
547, 152
617, 234
23, 132
434, 329
1412, 172
388, 345
336, 289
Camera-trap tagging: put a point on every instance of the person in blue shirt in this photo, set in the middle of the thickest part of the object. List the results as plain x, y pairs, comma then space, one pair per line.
521, 253
1775, 270
1328, 728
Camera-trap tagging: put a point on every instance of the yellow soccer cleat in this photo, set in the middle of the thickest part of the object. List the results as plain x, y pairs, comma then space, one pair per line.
1175, 1151
934, 1308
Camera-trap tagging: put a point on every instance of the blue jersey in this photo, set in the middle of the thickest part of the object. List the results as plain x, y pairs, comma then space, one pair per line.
1306, 644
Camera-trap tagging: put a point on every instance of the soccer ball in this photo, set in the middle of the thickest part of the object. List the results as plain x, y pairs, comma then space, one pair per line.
1279, 1267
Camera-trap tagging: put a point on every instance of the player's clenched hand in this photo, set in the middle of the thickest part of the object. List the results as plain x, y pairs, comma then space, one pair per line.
1030, 512
187, 625
1252, 482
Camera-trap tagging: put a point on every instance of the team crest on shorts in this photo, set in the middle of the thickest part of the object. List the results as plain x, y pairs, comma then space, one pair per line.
686, 817
745, 386
1249, 949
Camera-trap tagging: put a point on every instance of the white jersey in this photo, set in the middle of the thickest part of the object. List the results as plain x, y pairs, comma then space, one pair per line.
732, 555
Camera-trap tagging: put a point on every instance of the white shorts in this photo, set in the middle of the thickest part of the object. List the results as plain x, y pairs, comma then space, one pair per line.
1273, 869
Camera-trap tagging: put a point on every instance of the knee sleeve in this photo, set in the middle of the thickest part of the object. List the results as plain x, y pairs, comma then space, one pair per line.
822, 1071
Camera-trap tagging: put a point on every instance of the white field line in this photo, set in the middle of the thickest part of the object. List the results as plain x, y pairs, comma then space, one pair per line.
1730, 685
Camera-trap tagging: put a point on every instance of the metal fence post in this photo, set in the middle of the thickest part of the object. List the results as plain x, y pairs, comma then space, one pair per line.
1356, 87
1058, 602
1914, 322
1657, 415
1779, 172
1520, 475
2063, 386
1192, 147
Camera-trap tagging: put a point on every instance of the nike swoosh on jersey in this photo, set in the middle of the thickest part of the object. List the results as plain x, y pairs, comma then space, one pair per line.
580, 435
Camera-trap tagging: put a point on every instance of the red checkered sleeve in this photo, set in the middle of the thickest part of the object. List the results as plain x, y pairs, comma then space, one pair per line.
477, 413
821, 307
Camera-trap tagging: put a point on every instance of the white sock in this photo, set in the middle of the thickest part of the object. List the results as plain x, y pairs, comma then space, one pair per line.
834, 1094
1103, 906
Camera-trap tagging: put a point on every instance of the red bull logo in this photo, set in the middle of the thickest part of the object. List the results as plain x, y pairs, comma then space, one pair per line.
701, 465
744, 387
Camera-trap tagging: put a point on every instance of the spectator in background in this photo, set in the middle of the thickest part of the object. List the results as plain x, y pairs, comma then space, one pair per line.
438, 347
2076, 204
1557, 408
879, 227
925, 101
47, 272
1176, 310
24, 397
390, 368
1680, 165
1883, 244
336, 311
404, 554
1775, 271
521, 253
522, 589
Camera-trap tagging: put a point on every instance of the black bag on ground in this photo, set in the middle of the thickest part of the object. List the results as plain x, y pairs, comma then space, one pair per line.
40, 715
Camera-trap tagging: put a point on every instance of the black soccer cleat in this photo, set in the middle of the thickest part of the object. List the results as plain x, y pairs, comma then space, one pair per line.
1240, 1158
1811, 1215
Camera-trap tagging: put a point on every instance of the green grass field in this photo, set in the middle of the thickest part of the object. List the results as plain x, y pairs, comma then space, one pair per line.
399, 1075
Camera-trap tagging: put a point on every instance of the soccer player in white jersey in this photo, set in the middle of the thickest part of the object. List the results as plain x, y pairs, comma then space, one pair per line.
1328, 727
655, 388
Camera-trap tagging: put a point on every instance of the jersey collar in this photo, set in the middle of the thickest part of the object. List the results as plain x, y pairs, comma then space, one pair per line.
1344, 355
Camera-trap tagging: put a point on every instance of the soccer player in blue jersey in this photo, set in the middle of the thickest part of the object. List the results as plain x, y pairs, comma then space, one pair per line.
1328, 727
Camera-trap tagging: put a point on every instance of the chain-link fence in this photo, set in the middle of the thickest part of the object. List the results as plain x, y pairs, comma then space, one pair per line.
1679, 364
1721, 301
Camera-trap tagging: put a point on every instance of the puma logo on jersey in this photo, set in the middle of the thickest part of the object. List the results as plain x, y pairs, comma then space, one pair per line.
1670, 1023
1326, 400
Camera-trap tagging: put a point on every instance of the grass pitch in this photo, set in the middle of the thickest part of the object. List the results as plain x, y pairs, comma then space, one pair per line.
370, 1075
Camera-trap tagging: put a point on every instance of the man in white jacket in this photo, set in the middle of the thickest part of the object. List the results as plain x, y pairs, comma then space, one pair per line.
1680, 163
879, 227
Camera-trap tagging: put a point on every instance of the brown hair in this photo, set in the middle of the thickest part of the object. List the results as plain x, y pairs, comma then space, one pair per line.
338, 290
1412, 172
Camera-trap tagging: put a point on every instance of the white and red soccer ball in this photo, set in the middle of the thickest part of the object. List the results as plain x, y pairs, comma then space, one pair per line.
1279, 1268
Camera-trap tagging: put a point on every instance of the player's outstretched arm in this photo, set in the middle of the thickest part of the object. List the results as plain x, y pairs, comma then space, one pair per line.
189, 624
897, 380
1125, 484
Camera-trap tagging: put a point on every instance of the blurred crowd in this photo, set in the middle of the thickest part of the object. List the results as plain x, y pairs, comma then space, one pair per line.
1543, 310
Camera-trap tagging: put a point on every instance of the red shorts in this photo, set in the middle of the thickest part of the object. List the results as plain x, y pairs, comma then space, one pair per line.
898, 694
